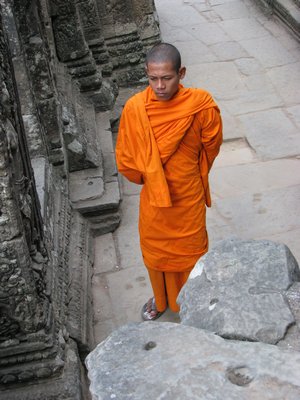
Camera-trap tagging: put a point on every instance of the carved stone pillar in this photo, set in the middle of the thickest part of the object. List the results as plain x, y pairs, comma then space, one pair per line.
24, 304
129, 29
71, 46
73, 49
147, 21
92, 28
39, 106
122, 40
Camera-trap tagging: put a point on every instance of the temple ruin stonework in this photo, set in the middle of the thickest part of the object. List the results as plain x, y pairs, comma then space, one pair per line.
62, 63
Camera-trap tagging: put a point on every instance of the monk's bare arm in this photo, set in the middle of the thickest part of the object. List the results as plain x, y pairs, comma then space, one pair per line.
211, 133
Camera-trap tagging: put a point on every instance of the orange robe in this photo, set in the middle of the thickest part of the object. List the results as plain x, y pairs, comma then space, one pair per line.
169, 147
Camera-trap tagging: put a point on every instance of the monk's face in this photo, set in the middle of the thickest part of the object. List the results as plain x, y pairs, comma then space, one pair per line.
164, 79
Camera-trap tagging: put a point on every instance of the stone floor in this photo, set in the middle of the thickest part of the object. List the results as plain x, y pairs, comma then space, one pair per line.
251, 64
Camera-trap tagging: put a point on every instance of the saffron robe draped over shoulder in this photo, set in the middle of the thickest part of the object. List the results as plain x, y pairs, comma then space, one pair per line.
169, 147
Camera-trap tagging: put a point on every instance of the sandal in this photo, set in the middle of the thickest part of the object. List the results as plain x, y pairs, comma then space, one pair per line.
149, 310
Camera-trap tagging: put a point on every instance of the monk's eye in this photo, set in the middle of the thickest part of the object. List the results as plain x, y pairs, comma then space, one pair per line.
152, 79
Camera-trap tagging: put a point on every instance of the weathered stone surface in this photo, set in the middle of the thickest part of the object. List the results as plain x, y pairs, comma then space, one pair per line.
264, 132
280, 78
80, 309
104, 98
238, 290
86, 185
105, 253
65, 387
267, 57
105, 140
169, 361
105, 222
69, 39
199, 50
287, 10
231, 181
291, 339
96, 199
79, 130
52, 55
39, 166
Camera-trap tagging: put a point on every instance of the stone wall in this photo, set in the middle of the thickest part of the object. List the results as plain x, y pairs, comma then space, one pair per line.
61, 65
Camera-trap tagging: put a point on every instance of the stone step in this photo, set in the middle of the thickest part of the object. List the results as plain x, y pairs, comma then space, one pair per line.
95, 192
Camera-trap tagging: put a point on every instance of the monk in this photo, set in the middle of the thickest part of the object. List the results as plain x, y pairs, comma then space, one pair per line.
168, 138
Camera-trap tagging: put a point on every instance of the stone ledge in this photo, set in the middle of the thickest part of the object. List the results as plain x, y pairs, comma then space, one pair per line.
287, 10
68, 386
105, 223
95, 201
85, 186
100, 207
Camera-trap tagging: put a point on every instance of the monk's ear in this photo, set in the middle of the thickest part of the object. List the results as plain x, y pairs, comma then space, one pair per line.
182, 72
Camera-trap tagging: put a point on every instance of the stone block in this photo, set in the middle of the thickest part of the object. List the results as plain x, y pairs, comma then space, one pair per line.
222, 79
287, 86
103, 98
250, 101
104, 223
79, 130
68, 386
270, 52
265, 130
178, 34
192, 51
105, 141
238, 291
182, 362
256, 215
69, 39
229, 51
49, 112
232, 153
119, 297
86, 186
233, 10
89, 203
105, 254
243, 29
236, 172
127, 236
177, 18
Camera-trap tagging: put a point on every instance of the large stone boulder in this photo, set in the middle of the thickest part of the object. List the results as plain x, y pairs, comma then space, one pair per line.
238, 290
166, 361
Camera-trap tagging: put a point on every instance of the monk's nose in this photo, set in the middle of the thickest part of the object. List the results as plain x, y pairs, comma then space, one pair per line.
160, 84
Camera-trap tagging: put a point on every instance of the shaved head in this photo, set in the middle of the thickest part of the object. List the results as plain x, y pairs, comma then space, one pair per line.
164, 53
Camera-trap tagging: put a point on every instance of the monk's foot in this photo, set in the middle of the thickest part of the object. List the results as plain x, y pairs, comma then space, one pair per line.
149, 310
